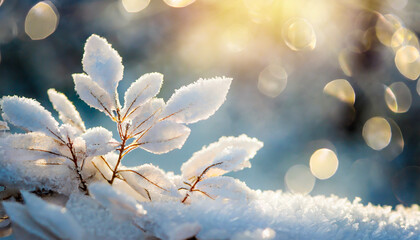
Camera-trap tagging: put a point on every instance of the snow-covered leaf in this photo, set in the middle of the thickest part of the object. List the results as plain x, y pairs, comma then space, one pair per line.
140, 194
103, 64
233, 152
98, 141
52, 217
258, 234
20, 216
117, 202
43, 220
31, 146
142, 90
225, 187
197, 101
94, 95
149, 177
3, 126
145, 116
164, 137
68, 131
105, 164
28, 114
183, 231
66, 110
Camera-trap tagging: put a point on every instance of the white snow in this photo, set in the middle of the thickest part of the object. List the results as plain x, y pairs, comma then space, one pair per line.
164, 137
227, 149
47, 221
142, 90
93, 94
98, 141
3, 126
28, 114
103, 64
197, 101
66, 110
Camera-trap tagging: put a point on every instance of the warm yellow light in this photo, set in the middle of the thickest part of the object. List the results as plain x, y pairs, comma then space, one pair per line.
398, 97
272, 80
341, 89
133, 6
377, 133
299, 179
41, 20
323, 163
408, 62
386, 26
345, 62
236, 38
178, 3
404, 37
298, 34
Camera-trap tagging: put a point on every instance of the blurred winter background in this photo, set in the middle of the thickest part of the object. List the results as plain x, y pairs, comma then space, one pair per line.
330, 86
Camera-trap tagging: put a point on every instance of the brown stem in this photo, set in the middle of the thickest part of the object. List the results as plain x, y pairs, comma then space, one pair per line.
83, 185
199, 178
121, 149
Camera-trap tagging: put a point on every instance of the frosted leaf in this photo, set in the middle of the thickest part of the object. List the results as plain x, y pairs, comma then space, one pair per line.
98, 141
66, 110
118, 203
140, 194
52, 217
164, 137
145, 116
67, 132
29, 115
105, 164
20, 216
103, 64
149, 177
226, 149
31, 146
142, 90
197, 101
225, 187
94, 95
3, 126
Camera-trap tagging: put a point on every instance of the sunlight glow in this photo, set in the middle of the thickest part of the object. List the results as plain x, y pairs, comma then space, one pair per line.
342, 90
178, 3
377, 133
398, 97
41, 20
323, 163
386, 26
299, 179
133, 6
299, 35
272, 80
408, 62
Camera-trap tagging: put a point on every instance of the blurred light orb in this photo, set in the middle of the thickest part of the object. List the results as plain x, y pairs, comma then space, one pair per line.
398, 97
41, 20
406, 185
299, 179
272, 80
418, 87
178, 3
344, 60
396, 146
342, 90
133, 6
408, 62
386, 26
377, 133
1, 2
323, 163
404, 37
299, 35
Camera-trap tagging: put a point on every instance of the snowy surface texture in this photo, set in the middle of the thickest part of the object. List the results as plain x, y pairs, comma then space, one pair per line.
271, 215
